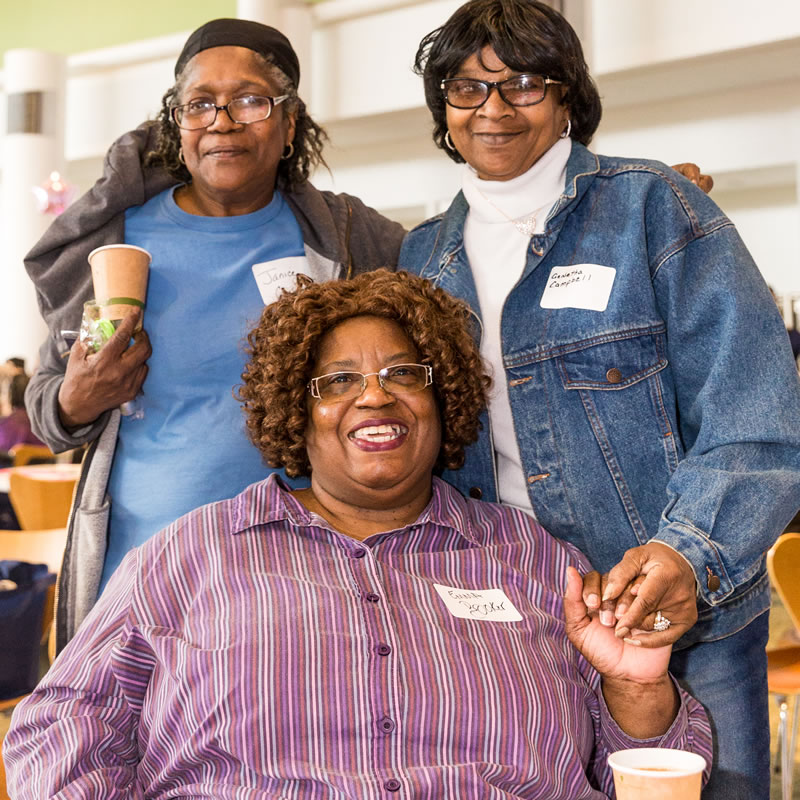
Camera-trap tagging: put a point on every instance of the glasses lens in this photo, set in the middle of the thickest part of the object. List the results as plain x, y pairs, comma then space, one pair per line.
338, 385
250, 109
194, 115
404, 377
523, 90
465, 93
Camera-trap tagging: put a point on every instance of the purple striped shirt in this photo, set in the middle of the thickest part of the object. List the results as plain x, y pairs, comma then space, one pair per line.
250, 651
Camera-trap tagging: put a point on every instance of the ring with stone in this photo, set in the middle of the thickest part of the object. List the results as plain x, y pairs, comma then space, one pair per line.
661, 623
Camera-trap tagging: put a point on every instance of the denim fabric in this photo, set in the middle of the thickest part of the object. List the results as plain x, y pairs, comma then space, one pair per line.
730, 676
675, 413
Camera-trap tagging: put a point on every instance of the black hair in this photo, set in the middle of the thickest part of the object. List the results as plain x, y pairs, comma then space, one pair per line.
527, 36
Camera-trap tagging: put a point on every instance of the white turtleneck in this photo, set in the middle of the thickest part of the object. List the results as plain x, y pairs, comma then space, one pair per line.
497, 253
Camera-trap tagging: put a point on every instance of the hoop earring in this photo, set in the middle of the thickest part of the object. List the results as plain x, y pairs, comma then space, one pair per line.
449, 142
180, 156
286, 156
565, 133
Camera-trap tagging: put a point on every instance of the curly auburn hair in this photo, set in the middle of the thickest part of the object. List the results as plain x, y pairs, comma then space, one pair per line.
309, 138
283, 349
527, 36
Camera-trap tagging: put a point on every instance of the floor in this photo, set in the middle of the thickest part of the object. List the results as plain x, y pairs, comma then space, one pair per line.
780, 630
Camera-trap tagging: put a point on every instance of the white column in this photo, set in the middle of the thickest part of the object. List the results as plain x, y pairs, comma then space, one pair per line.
32, 148
294, 19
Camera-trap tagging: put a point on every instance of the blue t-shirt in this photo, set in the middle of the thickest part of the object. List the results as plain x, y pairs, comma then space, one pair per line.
191, 446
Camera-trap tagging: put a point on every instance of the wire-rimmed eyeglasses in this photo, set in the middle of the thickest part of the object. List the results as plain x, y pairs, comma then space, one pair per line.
396, 379
241, 110
519, 90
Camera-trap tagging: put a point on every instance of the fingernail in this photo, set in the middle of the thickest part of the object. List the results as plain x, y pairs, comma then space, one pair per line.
607, 618
609, 592
620, 610
622, 633
634, 642
592, 601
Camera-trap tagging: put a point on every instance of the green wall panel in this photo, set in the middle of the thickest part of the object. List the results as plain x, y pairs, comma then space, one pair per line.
72, 26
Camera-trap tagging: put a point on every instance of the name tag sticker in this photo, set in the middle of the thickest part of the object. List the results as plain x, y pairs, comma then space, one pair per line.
579, 286
272, 276
487, 604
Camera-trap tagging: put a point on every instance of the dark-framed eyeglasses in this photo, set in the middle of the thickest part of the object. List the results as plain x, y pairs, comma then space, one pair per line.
396, 379
519, 90
241, 110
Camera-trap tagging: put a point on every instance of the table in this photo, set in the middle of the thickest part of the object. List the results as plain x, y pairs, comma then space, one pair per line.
43, 472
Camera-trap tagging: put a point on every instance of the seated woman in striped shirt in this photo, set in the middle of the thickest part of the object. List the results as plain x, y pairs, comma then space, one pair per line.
372, 634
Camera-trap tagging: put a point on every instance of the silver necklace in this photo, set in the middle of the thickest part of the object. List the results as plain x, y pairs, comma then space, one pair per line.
525, 225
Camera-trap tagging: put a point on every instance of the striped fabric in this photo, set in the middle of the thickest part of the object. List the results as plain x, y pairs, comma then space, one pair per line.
250, 651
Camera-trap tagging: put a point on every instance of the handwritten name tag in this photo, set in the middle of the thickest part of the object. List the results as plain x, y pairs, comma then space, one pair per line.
579, 286
272, 276
487, 604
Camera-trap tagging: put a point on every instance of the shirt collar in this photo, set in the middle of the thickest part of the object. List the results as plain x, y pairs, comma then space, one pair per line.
271, 501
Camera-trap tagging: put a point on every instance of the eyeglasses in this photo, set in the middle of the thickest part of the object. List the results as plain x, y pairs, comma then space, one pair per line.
520, 90
241, 110
397, 379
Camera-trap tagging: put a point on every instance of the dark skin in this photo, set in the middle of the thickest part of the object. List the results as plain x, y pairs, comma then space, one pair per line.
95, 382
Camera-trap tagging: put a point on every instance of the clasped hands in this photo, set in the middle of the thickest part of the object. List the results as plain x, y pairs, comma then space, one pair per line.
97, 381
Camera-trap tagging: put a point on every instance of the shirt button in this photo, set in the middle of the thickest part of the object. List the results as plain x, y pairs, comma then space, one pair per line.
387, 725
373, 598
383, 649
475, 493
360, 553
392, 785
614, 375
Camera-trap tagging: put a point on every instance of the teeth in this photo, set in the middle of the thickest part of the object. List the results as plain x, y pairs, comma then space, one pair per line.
379, 433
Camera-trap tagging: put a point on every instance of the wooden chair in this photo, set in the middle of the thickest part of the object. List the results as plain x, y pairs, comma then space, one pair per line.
32, 454
40, 503
783, 663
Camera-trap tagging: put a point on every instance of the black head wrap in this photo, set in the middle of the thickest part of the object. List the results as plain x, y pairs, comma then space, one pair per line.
242, 33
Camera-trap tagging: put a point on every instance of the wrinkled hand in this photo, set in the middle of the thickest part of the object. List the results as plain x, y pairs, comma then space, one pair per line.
96, 382
612, 657
649, 578
692, 172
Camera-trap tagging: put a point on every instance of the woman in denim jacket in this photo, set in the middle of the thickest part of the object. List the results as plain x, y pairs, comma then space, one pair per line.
647, 404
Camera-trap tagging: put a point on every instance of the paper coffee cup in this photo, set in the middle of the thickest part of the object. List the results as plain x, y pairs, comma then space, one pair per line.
119, 275
657, 773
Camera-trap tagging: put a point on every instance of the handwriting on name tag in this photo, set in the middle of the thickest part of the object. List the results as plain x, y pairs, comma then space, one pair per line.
484, 604
579, 286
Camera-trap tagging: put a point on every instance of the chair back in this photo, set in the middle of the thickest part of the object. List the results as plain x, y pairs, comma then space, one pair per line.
40, 502
31, 454
783, 565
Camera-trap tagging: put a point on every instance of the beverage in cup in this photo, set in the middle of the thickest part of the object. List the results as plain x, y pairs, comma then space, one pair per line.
657, 773
119, 275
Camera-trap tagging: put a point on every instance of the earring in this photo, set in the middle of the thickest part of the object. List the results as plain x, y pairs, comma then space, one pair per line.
566, 132
286, 156
449, 142
180, 156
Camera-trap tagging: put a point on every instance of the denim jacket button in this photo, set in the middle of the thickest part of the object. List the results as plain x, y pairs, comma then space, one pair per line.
614, 375
712, 582
475, 492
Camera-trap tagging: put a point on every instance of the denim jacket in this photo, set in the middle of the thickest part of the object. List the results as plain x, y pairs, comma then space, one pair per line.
673, 414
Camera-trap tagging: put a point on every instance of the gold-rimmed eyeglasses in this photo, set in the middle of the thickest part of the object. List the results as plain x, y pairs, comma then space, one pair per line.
396, 379
241, 110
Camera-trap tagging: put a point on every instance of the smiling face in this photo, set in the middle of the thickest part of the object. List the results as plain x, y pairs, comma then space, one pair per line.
501, 141
233, 166
377, 450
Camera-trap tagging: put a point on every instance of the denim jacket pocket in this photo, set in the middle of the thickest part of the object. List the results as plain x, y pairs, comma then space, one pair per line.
626, 397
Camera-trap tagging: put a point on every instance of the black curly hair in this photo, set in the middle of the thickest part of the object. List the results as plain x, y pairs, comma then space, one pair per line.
308, 143
527, 36
283, 350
